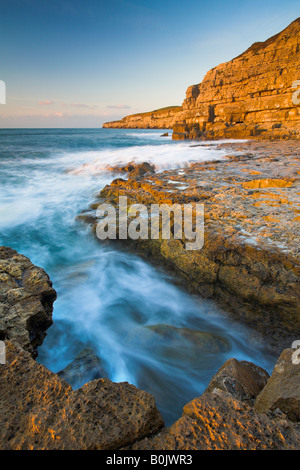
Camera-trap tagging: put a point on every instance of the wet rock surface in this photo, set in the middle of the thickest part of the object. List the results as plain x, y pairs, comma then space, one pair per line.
39, 409
141, 170
161, 336
26, 300
250, 257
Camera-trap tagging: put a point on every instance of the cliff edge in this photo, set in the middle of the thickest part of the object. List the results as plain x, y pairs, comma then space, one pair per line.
256, 94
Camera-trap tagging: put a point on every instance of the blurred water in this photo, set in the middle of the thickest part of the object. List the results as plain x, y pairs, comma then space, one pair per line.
146, 330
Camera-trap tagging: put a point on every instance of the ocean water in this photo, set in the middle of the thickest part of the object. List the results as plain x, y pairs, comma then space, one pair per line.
145, 329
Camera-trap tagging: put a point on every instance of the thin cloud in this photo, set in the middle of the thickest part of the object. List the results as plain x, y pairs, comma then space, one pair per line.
79, 105
118, 106
45, 103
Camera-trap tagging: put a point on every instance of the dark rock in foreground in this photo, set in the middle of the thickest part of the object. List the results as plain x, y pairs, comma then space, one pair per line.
224, 419
26, 300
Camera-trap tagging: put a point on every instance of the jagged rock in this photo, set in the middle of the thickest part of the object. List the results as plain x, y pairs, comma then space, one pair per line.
38, 410
135, 170
241, 379
165, 134
217, 421
282, 390
141, 170
85, 367
26, 300
128, 168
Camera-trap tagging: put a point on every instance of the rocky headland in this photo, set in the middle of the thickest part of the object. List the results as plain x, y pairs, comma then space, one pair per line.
163, 118
254, 95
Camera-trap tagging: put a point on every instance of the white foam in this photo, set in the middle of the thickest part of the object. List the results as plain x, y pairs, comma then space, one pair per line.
163, 157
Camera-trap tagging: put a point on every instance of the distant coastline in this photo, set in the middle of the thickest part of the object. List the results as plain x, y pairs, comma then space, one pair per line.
163, 118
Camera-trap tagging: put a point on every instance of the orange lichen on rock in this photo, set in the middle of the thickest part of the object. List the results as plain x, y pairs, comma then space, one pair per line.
217, 421
268, 183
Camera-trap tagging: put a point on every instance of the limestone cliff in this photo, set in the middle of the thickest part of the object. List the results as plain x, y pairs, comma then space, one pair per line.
163, 118
252, 95
257, 94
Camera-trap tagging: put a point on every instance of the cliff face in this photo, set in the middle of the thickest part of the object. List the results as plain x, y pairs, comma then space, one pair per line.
163, 118
254, 94
257, 94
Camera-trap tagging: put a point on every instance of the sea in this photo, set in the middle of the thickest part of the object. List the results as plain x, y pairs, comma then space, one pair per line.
146, 329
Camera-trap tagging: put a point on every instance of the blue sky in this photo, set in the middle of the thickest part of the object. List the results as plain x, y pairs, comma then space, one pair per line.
75, 63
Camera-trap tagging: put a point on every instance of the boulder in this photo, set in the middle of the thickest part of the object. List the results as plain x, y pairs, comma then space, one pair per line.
161, 335
39, 410
26, 300
282, 391
241, 379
